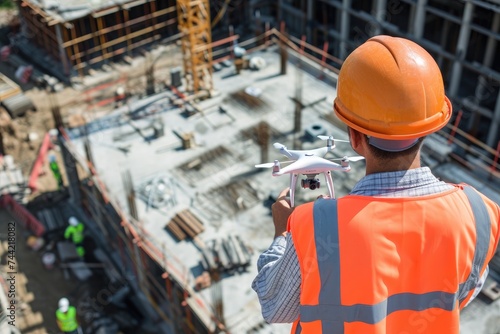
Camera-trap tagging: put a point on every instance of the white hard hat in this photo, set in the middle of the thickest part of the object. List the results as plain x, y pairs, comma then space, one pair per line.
63, 304
73, 221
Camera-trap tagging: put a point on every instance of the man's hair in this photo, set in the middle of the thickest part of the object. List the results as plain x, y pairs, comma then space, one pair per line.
386, 155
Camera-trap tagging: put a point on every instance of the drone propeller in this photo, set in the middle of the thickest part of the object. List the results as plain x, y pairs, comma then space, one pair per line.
266, 165
353, 159
279, 146
282, 149
271, 164
331, 138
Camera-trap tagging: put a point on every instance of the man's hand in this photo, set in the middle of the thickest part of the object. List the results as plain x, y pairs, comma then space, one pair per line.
281, 210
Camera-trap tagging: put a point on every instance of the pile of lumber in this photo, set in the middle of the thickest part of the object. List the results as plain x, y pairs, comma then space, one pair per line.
185, 224
226, 255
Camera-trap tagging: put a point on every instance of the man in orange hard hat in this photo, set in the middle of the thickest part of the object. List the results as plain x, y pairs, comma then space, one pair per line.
404, 252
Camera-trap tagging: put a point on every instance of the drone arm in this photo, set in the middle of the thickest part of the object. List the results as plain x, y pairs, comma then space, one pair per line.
329, 183
293, 183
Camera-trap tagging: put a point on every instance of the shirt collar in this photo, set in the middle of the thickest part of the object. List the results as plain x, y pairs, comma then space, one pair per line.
393, 182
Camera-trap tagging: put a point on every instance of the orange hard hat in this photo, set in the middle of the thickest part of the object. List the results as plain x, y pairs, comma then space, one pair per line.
392, 89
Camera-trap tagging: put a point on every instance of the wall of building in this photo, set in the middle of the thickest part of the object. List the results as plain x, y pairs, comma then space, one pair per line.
461, 35
139, 262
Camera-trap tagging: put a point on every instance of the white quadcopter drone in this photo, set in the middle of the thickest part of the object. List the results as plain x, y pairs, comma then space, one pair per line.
310, 163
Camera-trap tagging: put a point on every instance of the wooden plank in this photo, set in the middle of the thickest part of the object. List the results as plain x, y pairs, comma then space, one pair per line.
184, 226
176, 230
190, 224
192, 220
200, 224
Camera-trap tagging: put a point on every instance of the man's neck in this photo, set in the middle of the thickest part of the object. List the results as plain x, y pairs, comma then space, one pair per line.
383, 166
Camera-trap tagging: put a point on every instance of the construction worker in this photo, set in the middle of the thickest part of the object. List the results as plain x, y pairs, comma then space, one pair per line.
66, 317
404, 252
54, 167
74, 231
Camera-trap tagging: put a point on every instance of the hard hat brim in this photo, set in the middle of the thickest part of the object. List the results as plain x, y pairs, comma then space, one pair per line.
394, 131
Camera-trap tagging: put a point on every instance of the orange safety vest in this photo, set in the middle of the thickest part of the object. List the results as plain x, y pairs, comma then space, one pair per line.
391, 265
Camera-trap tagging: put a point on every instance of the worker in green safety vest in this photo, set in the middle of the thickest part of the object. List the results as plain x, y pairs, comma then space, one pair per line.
75, 232
66, 317
54, 167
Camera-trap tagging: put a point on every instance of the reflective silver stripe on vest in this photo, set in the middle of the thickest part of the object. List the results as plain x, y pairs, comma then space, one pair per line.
482, 219
330, 311
326, 237
298, 329
371, 314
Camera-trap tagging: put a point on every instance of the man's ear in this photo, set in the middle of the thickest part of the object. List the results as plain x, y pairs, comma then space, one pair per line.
355, 138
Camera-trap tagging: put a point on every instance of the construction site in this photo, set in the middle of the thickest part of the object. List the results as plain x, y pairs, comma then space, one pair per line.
155, 113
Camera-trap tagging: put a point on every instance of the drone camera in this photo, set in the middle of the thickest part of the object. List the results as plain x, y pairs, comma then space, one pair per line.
310, 183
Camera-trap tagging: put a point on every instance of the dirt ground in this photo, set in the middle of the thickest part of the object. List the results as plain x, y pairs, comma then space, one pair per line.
41, 289
22, 136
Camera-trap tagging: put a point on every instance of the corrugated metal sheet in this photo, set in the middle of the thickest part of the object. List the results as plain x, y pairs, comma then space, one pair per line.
17, 105
8, 88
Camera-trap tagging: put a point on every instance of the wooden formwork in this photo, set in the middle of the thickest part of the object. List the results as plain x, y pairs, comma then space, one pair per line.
101, 35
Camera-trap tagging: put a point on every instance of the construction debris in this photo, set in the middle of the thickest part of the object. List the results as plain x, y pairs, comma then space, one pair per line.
491, 289
228, 199
11, 178
203, 281
250, 101
228, 254
159, 192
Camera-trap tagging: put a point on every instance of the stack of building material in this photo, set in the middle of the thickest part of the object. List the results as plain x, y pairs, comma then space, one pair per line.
54, 218
11, 178
185, 224
491, 289
228, 254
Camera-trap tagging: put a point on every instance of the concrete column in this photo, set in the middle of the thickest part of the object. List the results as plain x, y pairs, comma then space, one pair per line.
492, 42
344, 29
488, 60
309, 19
71, 174
379, 9
419, 21
495, 124
463, 42
280, 10
62, 54
442, 43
